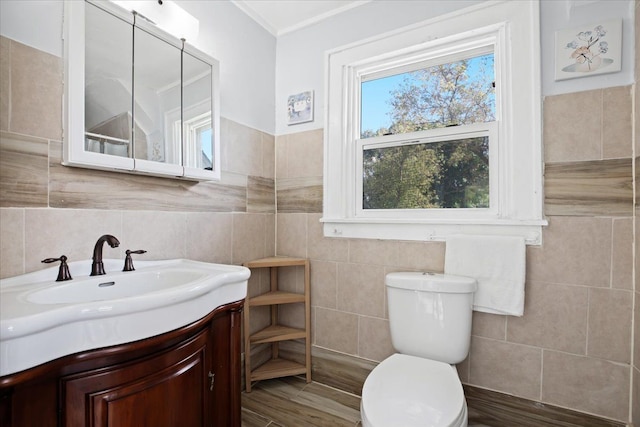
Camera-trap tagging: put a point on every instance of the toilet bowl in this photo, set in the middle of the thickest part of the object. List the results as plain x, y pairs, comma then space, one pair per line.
409, 391
430, 324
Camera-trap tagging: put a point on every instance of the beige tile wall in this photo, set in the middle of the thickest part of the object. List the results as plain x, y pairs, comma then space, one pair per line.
47, 209
572, 348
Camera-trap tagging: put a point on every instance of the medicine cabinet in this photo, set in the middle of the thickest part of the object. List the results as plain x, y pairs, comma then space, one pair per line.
138, 99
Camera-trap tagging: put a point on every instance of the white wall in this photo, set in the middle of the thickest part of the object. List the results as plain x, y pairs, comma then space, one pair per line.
35, 23
301, 54
245, 50
247, 55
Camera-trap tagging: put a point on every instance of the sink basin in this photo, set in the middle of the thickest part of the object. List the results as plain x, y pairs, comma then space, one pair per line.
115, 286
42, 320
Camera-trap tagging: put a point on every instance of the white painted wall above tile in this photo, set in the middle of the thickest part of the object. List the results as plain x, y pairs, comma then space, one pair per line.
34, 23
566, 14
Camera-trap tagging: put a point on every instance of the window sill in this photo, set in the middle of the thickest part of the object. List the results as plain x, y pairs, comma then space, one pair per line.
430, 230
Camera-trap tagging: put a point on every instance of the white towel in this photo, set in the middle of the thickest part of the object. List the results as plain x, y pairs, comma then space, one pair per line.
498, 263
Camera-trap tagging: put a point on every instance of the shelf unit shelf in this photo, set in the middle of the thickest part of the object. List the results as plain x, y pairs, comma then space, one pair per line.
276, 368
275, 333
276, 297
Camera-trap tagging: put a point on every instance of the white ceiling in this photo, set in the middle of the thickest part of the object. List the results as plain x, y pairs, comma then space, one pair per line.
283, 16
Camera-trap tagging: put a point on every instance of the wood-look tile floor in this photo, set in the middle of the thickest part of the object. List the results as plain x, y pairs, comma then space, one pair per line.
291, 402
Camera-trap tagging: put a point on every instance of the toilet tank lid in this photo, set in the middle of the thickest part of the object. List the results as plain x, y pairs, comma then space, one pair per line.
432, 282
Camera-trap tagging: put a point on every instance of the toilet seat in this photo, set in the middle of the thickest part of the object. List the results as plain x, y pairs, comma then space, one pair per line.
408, 391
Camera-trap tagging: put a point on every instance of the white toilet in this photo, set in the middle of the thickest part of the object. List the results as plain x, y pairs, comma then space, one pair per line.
430, 321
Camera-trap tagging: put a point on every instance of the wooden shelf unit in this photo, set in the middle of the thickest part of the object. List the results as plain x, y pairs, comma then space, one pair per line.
275, 333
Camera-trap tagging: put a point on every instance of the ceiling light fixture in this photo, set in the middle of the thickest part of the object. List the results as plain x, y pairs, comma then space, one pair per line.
167, 15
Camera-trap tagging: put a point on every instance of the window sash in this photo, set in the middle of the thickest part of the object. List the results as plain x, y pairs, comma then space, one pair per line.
416, 57
432, 58
476, 130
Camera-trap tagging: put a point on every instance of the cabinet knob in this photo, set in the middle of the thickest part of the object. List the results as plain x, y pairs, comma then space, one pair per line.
213, 378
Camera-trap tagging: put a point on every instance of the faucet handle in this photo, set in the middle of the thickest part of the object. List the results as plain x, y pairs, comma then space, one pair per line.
128, 261
63, 271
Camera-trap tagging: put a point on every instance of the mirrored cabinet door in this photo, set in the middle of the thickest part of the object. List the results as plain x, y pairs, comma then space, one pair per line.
157, 103
98, 85
197, 129
200, 114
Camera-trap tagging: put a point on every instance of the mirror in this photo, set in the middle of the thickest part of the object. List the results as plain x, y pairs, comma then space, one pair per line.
107, 83
150, 101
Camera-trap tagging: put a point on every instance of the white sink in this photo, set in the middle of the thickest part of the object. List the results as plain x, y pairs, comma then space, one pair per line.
42, 320
122, 285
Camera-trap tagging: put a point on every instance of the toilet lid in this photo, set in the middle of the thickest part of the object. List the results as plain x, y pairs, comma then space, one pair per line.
411, 391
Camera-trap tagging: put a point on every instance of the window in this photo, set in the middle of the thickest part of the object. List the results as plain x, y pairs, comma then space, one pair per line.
429, 138
425, 136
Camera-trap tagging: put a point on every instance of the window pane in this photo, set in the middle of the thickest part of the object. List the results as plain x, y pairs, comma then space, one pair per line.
448, 174
450, 94
107, 90
204, 143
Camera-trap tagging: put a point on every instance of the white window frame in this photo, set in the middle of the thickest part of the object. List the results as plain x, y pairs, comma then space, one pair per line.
512, 28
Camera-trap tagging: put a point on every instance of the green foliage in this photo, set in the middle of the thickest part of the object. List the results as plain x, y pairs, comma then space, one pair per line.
451, 174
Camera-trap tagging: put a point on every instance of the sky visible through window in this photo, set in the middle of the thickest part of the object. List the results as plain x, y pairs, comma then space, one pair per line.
376, 95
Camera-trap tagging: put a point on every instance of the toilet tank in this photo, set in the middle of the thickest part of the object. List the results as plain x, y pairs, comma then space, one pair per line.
430, 314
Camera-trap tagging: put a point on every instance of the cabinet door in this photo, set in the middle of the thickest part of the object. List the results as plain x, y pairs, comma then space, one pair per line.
167, 390
225, 360
18, 408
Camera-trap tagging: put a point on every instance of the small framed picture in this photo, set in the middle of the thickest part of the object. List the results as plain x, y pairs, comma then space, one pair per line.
589, 50
300, 108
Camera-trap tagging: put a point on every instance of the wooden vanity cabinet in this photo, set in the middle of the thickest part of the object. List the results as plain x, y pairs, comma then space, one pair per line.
187, 377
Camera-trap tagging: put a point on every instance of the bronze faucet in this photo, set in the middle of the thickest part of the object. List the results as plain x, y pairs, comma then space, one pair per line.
97, 267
